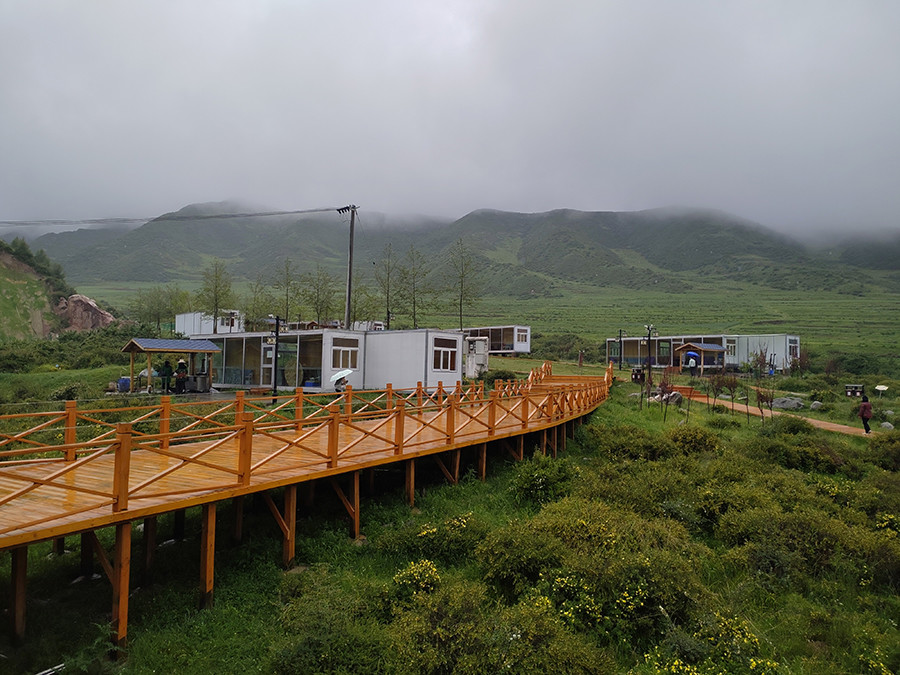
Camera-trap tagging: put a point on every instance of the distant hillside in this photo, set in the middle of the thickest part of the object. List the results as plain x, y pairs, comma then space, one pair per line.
662, 249
24, 302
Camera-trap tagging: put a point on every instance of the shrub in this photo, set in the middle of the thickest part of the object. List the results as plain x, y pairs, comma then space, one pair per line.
326, 619
542, 479
442, 632
884, 449
513, 557
417, 577
449, 541
787, 425
693, 440
627, 441
722, 422
530, 638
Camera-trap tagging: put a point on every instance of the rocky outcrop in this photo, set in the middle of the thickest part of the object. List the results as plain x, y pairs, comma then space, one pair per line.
81, 313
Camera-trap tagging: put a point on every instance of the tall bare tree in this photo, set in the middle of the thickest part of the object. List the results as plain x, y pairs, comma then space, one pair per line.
215, 293
287, 282
257, 304
415, 292
319, 291
463, 278
386, 278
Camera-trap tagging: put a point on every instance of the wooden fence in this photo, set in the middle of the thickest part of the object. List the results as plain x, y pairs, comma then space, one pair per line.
77, 469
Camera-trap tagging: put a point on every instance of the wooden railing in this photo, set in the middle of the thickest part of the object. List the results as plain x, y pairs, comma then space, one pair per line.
310, 433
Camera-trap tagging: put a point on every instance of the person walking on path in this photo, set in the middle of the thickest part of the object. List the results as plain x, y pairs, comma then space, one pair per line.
865, 413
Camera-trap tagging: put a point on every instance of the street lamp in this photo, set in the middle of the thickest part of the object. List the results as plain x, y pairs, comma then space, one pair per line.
650, 332
277, 321
622, 334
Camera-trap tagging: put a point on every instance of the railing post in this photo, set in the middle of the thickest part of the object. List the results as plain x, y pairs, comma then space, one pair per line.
348, 400
165, 417
238, 403
492, 412
298, 408
389, 397
451, 418
70, 433
334, 429
399, 416
440, 392
122, 467
419, 394
245, 448
525, 409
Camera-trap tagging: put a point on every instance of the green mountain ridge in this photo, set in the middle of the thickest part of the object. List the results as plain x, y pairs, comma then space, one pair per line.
663, 249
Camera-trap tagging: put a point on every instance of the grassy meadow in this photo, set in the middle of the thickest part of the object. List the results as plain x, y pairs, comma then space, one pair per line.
699, 544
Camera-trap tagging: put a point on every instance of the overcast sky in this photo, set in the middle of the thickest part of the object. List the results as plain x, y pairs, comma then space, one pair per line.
782, 111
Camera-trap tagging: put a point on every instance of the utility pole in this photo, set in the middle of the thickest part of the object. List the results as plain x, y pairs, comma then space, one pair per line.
352, 209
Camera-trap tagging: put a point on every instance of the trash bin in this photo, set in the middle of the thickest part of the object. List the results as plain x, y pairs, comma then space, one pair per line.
124, 384
855, 389
637, 375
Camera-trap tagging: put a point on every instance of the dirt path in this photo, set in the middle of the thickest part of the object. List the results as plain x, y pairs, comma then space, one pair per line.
743, 408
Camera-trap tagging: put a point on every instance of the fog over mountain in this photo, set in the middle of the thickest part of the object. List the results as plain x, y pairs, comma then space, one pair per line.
782, 112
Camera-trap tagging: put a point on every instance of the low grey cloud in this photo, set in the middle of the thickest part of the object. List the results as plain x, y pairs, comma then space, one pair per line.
781, 112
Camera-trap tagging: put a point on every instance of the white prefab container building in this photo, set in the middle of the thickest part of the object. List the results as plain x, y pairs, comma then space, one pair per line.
309, 358
504, 339
736, 350
405, 357
197, 323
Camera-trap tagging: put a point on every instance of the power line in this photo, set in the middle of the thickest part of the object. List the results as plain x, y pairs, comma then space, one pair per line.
131, 221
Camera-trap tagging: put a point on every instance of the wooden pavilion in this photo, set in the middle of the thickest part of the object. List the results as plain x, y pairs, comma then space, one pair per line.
708, 352
191, 348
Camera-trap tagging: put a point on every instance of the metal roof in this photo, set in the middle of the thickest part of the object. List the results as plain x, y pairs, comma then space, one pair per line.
178, 346
702, 346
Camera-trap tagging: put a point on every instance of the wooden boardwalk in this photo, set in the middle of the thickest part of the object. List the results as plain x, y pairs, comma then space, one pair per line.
75, 471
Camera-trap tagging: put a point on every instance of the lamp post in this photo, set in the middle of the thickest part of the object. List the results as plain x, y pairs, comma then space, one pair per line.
277, 321
650, 332
622, 334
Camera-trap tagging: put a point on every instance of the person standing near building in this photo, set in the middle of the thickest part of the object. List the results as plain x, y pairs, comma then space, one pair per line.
865, 413
692, 364
181, 372
165, 376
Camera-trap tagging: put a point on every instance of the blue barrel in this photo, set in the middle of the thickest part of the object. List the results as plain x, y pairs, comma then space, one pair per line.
124, 384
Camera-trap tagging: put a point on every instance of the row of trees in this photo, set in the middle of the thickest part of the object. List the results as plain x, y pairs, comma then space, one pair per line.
401, 289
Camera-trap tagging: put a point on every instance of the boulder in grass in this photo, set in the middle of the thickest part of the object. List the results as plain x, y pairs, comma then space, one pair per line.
787, 403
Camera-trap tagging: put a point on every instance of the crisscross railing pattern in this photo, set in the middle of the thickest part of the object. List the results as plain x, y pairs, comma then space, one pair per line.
179, 450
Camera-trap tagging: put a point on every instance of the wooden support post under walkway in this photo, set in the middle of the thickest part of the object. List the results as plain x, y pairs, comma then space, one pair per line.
17, 600
207, 554
120, 583
482, 461
287, 522
351, 504
451, 474
411, 482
